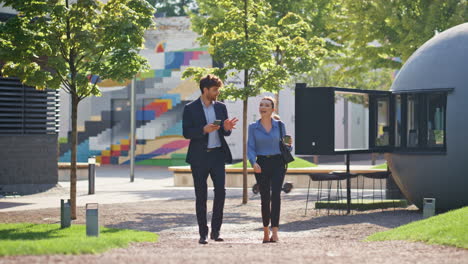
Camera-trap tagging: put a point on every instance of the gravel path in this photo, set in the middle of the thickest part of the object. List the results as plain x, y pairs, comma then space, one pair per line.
315, 238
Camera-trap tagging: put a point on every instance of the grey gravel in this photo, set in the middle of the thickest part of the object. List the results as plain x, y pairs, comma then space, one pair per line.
314, 238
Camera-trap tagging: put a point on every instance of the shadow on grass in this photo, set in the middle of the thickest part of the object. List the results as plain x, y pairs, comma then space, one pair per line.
21, 234
109, 231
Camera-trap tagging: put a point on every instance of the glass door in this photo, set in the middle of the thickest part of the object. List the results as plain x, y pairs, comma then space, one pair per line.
351, 121
382, 138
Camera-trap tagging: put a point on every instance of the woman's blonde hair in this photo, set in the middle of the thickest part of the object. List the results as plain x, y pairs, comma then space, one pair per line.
271, 99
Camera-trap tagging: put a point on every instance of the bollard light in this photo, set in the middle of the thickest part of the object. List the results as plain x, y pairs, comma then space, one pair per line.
429, 207
65, 214
92, 219
91, 174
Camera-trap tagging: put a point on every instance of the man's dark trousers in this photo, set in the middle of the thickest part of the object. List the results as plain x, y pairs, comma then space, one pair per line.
204, 161
214, 166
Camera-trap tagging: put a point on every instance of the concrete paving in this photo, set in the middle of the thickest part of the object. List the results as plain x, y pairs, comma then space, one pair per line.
113, 186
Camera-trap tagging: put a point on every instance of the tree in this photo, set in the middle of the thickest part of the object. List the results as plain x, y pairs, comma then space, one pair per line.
54, 43
319, 15
326, 74
383, 34
239, 35
173, 7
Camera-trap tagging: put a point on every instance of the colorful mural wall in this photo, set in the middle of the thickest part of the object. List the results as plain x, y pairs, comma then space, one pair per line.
104, 122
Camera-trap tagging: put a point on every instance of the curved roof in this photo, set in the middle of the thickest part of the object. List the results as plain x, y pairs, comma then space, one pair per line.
442, 62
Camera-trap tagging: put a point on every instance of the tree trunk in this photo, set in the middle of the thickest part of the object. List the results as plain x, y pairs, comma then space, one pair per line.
244, 152
279, 61
244, 116
74, 117
277, 102
74, 139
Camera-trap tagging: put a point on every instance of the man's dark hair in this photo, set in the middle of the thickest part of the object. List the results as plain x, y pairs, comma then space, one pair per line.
210, 80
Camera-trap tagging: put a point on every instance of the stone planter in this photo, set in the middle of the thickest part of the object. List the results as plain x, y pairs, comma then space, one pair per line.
81, 171
297, 176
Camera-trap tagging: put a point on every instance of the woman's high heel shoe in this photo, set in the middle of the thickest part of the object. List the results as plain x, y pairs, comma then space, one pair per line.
275, 234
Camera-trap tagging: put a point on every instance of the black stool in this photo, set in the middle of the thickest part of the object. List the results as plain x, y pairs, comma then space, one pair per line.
337, 176
378, 175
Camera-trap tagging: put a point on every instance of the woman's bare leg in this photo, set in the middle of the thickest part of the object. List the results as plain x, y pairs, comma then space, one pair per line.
266, 234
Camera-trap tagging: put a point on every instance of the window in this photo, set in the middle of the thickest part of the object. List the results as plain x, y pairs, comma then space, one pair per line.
398, 117
413, 114
351, 121
436, 120
333, 120
383, 122
419, 121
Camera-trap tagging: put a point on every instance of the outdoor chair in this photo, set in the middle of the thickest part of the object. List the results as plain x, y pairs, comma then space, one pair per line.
380, 176
329, 178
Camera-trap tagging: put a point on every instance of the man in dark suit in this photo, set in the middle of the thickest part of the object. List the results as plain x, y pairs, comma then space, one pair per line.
206, 123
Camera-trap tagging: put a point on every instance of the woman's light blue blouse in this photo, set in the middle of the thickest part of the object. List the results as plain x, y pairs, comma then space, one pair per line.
261, 142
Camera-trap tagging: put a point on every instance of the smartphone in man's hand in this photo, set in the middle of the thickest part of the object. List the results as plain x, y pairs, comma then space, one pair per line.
217, 122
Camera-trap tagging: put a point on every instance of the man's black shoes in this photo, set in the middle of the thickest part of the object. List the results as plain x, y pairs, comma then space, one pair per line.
215, 236
203, 240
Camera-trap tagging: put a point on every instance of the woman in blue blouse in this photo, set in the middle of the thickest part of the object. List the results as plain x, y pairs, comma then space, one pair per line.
264, 155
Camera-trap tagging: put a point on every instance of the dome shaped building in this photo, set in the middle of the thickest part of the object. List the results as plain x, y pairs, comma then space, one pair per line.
432, 120
421, 124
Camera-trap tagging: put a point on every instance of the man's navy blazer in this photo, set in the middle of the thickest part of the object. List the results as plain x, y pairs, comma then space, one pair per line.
192, 124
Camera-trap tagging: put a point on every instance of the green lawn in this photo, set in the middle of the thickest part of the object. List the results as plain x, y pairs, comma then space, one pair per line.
297, 163
45, 239
380, 166
449, 229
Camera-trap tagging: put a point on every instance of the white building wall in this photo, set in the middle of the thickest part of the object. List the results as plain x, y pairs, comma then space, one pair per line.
358, 126
235, 109
339, 123
65, 111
